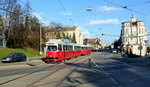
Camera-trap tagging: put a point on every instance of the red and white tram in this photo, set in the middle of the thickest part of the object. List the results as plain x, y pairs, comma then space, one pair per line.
59, 51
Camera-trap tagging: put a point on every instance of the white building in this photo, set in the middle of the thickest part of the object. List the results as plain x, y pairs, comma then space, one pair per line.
134, 37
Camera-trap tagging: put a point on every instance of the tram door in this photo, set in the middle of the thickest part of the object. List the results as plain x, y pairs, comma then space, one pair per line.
128, 51
61, 54
64, 51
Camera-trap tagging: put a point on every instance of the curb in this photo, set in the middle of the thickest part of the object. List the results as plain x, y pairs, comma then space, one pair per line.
27, 64
35, 62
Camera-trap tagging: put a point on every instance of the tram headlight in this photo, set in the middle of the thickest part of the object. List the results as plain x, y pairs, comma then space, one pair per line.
50, 56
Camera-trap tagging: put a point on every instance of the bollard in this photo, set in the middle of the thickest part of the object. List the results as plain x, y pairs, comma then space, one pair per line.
89, 63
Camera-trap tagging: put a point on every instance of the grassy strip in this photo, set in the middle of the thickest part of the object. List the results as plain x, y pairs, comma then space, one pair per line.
28, 51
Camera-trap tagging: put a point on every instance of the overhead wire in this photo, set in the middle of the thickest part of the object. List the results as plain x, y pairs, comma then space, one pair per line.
126, 7
48, 18
7, 10
138, 4
23, 15
35, 11
65, 11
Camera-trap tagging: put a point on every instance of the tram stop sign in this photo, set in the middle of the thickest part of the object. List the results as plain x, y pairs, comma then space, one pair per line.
140, 47
112, 45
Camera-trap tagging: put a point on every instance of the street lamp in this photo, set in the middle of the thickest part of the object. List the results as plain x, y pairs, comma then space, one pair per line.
89, 9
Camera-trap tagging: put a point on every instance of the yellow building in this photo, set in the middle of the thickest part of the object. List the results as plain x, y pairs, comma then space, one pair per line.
64, 33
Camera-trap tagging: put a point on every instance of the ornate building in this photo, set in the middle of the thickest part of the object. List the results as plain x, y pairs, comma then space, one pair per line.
134, 37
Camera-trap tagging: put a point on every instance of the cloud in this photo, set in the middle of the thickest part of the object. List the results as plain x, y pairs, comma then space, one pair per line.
104, 22
85, 32
67, 13
38, 15
43, 19
106, 9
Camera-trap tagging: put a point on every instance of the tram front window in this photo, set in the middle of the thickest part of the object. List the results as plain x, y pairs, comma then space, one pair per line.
51, 48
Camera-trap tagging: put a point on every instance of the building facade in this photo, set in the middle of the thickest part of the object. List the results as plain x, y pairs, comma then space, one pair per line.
71, 32
134, 37
95, 43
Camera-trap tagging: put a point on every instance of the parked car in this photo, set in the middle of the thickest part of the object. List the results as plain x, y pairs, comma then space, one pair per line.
14, 57
114, 51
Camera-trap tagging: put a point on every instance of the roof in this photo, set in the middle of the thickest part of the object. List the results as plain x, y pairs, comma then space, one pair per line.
91, 40
67, 28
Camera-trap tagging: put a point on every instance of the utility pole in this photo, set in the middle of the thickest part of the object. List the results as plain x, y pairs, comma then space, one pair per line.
132, 39
40, 41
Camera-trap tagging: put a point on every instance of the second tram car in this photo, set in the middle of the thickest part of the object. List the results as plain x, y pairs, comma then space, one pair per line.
85, 49
58, 51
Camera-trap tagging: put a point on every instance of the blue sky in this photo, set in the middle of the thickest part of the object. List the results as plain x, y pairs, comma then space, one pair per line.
105, 17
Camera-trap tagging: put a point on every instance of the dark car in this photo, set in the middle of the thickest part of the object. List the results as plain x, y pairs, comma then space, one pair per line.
14, 57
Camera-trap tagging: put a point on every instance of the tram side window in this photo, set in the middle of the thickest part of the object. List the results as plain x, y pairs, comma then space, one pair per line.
59, 47
86, 48
51, 48
79, 48
75, 48
70, 48
67, 47
83, 48
64, 48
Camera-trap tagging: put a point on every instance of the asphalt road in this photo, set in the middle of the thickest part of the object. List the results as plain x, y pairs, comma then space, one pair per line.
106, 70
121, 72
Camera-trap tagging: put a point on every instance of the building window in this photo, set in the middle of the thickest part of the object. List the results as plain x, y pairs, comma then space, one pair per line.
121, 32
140, 39
139, 30
126, 31
134, 33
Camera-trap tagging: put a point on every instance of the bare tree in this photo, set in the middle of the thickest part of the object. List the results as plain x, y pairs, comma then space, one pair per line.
6, 11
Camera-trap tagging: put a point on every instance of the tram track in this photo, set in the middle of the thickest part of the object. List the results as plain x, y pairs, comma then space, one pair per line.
61, 68
15, 72
58, 84
36, 71
25, 75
